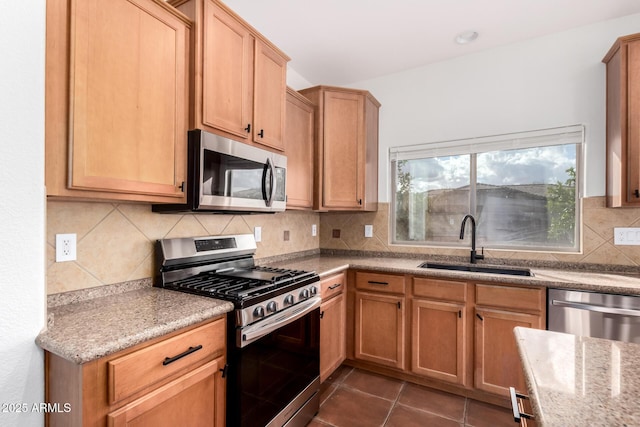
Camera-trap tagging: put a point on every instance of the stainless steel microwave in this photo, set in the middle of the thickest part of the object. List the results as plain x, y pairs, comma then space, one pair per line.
228, 176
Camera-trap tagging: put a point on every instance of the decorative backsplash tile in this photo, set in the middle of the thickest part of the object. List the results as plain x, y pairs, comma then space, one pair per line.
115, 242
598, 247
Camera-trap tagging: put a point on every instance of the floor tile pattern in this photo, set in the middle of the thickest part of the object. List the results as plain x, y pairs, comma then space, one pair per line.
356, 398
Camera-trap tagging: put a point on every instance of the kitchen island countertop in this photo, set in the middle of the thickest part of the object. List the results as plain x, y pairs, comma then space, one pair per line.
578, 381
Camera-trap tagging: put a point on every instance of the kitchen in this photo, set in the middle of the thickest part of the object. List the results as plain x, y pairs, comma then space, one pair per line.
446, 97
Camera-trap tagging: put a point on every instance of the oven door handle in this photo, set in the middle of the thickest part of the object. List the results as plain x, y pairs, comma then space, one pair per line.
251, 333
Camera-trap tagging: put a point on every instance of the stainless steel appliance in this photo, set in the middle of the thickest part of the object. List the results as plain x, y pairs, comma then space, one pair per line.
615, 317
224, 175
273, 353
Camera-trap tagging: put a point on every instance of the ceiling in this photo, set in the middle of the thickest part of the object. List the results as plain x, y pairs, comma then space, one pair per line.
337, 42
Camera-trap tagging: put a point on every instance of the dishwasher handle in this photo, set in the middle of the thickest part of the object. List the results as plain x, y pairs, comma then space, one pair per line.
596, 307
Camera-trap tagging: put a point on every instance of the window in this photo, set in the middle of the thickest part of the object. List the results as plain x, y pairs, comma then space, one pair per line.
521, 188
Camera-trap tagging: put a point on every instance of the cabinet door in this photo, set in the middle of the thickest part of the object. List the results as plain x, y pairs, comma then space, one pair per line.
227, 73
195, 399
270, 88
343, 149
438, 340
379, 329
299, 151
128, 92
497, 362
332, 335
632, 187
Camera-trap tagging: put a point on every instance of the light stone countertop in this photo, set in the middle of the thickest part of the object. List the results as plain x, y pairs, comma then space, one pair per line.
89, 324
326, 265
87, 330
579, 381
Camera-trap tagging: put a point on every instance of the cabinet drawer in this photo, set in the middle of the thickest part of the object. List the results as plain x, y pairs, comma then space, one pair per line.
510, 297
142, 368
380, 282
333, 285
440, 289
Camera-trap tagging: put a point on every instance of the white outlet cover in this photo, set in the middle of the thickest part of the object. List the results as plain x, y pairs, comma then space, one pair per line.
257, 234
368, 231
626, 236
314, 230
65, 247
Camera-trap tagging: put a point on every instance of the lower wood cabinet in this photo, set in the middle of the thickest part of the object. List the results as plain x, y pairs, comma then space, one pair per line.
439, 330
380, 319
460, 336
333, 324
498, 310
168, 381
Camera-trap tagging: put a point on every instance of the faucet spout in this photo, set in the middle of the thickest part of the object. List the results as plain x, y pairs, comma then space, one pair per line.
473, 256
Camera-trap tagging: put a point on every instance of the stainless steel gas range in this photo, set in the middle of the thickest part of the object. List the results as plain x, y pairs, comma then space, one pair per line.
273, 333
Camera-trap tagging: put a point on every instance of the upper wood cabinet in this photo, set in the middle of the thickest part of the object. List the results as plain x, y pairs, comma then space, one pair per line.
347, 148
116, 107
299, 150
238, 85
623, 122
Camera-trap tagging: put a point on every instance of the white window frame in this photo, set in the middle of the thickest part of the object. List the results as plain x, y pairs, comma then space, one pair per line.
522, 140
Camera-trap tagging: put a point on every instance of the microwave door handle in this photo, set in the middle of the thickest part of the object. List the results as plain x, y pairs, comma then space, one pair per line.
272, 182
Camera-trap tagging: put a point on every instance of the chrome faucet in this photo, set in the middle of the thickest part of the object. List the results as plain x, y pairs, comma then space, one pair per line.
474, 256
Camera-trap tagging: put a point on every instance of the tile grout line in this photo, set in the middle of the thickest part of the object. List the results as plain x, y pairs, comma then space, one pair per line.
395, 402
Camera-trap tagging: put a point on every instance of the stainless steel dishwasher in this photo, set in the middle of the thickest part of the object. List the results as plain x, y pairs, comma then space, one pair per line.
615, 317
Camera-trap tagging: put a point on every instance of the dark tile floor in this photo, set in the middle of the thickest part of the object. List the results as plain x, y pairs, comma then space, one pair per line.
353, 397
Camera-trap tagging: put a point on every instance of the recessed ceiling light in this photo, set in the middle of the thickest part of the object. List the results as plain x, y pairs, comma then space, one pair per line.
466, 37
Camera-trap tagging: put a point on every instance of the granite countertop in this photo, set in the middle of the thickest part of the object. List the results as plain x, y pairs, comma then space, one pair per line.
94, 324
326, 265
577, 381
87, 330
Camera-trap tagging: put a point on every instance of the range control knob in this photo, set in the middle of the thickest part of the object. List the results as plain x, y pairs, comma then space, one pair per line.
272, 307
304, 294
259, 311
288, 300
313, 290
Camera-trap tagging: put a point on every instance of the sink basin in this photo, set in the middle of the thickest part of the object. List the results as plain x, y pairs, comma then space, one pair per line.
512, 271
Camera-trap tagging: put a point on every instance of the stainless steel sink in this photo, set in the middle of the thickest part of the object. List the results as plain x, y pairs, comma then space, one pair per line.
512, 271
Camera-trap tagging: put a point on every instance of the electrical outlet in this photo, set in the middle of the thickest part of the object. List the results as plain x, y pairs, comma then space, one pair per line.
368, 231
257, 233
314, 230
286, 235
626, 236
65, 247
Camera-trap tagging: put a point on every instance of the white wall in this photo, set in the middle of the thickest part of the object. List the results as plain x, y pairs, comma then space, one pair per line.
22, 210
545, 82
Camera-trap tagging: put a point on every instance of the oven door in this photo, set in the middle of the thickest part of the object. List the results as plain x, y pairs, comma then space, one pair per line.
274, 378
238, 177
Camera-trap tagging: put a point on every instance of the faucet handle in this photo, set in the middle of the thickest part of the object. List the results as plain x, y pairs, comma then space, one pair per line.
481, 256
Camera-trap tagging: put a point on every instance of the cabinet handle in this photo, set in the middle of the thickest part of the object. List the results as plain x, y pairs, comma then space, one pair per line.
321, 314
261, 133
248, 128
515, 406
337, 285
181, 187
373, 282
225, 370
190, 350
360, 201
637, 193
460, 314
479, 317
399, 305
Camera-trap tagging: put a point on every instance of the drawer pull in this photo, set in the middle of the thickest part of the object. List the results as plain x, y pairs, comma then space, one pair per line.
190, 350
518, 412
337, 285
374, 282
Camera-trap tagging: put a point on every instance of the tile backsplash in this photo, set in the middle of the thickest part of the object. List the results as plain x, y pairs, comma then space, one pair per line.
597, 231
115, 241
